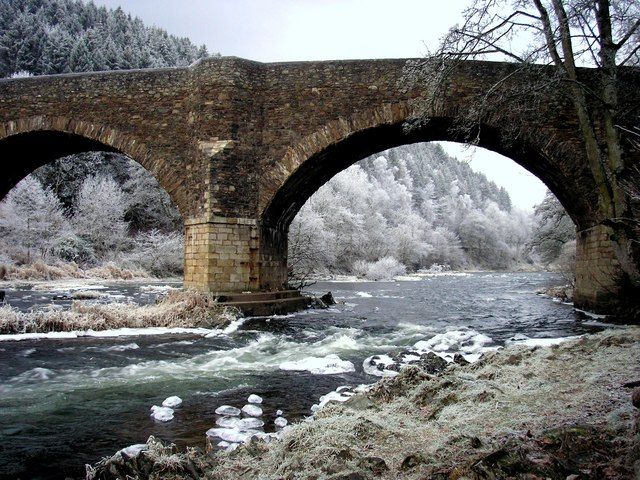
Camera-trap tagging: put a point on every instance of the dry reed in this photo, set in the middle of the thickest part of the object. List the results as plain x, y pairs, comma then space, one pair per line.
178, 309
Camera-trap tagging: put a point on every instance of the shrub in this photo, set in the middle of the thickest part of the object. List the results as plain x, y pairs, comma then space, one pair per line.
384, 269
160, 254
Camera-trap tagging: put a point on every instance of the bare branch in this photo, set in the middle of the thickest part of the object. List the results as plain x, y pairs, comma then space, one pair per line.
548, 33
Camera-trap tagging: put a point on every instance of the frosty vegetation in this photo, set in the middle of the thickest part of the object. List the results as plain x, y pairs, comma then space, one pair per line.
40, 37
91, 210
414, 207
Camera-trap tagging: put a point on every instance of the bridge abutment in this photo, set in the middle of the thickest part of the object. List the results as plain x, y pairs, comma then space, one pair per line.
598, 274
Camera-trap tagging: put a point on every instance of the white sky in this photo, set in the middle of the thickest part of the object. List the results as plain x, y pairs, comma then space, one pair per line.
286, 30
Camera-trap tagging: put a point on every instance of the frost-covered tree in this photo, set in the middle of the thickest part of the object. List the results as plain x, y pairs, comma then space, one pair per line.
99, 214
553, 230
60, 36
148, 204
32, 221
413, 204
158, 253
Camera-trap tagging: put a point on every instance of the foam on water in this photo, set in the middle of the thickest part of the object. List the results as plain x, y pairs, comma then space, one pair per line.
328, 365
591, 314
37, 374
117, 348
228, 330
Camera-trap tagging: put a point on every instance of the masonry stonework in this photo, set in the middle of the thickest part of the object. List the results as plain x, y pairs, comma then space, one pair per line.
596, 267
240, 146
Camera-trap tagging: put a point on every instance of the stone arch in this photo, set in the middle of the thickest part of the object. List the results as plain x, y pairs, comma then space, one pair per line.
319, 156
29, 143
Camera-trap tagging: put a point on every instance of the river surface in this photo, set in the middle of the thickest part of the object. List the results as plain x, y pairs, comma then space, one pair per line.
64, 403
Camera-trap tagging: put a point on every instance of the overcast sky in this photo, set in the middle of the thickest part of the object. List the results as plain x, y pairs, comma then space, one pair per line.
285, 30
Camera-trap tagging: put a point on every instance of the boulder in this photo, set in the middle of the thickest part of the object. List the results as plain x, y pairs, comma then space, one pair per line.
328, 299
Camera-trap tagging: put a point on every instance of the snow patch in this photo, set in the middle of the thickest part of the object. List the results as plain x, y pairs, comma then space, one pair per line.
341, 394
132, 451
118, 332
228, 410
172, 402
467, 342
162, 414
521, 339
377, 365
252, 410
157, 288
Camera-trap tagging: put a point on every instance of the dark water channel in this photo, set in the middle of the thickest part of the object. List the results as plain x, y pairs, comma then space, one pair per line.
64, 403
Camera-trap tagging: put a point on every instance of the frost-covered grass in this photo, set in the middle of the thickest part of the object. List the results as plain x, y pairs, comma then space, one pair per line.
67, 270
417, 424
178, 309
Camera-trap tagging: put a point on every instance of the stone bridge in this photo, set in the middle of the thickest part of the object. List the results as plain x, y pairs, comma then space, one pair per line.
241, 145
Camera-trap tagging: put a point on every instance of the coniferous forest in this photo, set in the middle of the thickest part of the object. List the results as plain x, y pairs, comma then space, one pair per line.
42, 37
401, 210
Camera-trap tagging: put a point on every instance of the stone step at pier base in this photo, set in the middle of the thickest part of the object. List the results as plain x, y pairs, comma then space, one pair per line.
262, 304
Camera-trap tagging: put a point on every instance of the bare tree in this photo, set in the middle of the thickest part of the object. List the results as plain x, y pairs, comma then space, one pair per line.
550, 40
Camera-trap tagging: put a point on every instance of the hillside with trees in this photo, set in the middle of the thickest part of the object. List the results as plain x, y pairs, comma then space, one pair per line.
410, 207
42, 37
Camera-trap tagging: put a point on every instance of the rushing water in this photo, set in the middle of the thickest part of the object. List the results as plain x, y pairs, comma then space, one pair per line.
64, 403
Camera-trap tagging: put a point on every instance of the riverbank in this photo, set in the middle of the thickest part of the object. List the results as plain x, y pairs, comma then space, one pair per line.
563, 411
178, 309
40, 271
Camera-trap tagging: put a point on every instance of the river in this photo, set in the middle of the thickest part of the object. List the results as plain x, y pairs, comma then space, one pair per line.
67, 402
